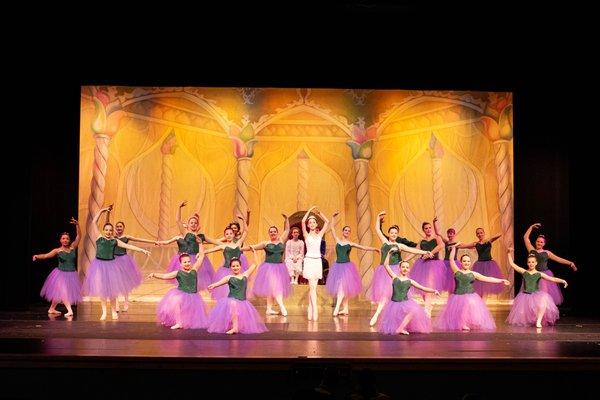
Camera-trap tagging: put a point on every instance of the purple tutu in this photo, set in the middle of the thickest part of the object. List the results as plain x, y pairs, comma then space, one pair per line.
205, 275
488, 268
429, 273
249, 321
178, 306
106, 279
552, 288
394, 312
272, 280
525, 308
221, 291
344, 277
132, 276
465, 310
381, 284
62, 286
450, 275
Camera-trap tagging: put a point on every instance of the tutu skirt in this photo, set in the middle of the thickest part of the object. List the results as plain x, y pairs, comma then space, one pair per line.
107, 279
344, 277
132, 276
465, 310
62, 286
178, 306
221, 317
526, 306
429, 273
488, 268
272, 280
381, 284
552, 288
394, 313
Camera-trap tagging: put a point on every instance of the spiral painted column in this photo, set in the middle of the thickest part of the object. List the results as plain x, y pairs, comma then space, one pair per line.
302, 189
363, 212
166, 182
437, 153
241, 186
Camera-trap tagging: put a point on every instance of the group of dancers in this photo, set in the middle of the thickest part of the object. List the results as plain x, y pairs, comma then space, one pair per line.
114, 273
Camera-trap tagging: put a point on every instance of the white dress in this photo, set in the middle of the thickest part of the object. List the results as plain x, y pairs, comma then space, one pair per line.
313, 267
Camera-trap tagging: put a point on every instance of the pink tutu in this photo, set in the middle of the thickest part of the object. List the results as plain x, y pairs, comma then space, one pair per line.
429, 273
465, 310
106, 279
272, 280
205, 272
130, 271
394, 312
344, 277
552, 288
381, 284
249, 321
185, 308
62, 286
488, 268
525, 308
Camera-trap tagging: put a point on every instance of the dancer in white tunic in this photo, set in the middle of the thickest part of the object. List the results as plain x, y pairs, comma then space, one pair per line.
313, 267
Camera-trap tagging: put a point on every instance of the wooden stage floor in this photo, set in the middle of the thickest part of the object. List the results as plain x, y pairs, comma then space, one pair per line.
295, 352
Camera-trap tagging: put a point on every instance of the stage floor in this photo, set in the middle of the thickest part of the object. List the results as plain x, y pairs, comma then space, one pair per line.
332, 358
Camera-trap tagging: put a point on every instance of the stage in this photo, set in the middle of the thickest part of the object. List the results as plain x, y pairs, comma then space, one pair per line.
331, 355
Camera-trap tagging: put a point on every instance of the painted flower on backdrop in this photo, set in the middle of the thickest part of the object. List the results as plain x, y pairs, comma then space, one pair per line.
107, 114
362, 143
243, 138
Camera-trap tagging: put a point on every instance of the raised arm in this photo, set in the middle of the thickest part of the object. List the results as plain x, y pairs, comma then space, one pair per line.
553, 279
252, 267
78, 234
438, 230
333, 222
304, 231
440, 245
453, 265
489, 279
168, 275
180, 224
513, 265
199, 257
386, 263
378, 222
493, 238
561, 260
132, 247
325, 224
244, 229
286, 229
95, 232
528, 244
50, 254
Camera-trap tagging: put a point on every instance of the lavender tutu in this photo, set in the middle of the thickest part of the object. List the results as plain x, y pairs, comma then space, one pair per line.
272, 280
465, 310
394, 312
132, 276
488, 268
381, 284
62, 286
525, 308
105, 279
450, 276
344, 277
429, 273
185, 308
249, 321
552, 288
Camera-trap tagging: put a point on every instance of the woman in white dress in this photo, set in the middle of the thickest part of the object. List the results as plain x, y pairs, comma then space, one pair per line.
313, 267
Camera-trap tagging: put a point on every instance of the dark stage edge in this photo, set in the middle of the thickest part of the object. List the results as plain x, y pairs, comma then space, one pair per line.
334, 358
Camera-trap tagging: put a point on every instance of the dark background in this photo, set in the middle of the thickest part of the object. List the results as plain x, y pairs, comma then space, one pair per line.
348, 45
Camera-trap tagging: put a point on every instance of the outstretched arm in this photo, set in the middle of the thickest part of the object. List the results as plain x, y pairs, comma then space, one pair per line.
218, 283
258, 246
528, 244
438, 230
489, 279
135, 239
50, 254
411, 249
512, 263
424, 288
213, 249
180, 224
168, 275
304, 231
365, 248
78, 235
378, 223
132, 247
493, 238
466, 245
553, 279
169, 241
561, 260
